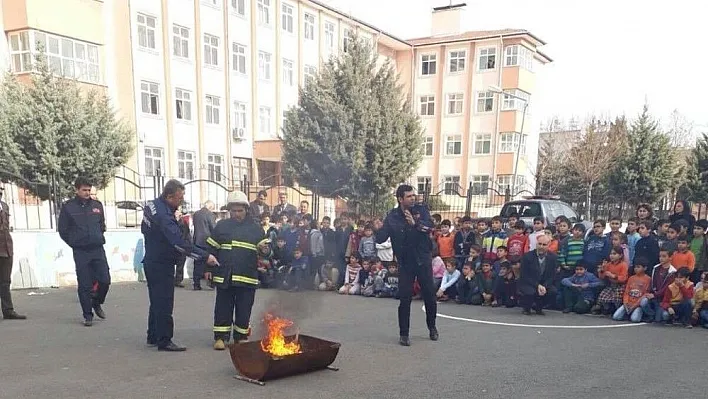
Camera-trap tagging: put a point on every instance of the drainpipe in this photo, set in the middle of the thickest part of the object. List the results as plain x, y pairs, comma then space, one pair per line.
495, 136
413, 70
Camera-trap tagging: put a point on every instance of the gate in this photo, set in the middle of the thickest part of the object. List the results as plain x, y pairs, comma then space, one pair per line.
27, 210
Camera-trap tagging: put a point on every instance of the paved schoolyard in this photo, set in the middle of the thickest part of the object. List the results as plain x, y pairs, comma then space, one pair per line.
52, 355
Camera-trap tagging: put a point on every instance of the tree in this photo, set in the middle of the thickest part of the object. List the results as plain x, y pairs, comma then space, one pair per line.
58, 132
680, 130
551, 174
353, 133
592, 158
648, 169
696, 183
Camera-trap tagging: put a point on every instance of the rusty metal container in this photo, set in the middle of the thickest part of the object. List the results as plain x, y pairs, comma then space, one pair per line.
250, 360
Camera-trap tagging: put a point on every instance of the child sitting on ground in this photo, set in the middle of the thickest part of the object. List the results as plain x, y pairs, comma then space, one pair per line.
677, 304
486, 284
438, 270
505, 287
700, 309
363, 275
298, 271
448, 286
328, 276
614, 276
468, 287
635, 290
579, 290
367, 284
502, 254
351, 277
387, 282
475, 258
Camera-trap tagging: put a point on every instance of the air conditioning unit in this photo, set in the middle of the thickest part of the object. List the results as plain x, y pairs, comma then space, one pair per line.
238, 134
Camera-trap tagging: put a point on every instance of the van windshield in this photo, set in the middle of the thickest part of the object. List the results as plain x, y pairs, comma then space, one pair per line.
524, 209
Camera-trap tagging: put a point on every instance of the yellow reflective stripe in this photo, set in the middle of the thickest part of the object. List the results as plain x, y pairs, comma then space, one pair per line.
244, 279
218, 279
242, 244
240, 330
213, 243
226, 247
222, 329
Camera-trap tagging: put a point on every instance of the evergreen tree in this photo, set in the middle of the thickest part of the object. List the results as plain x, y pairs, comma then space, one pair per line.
353, 133
647, 171
696, 183
57, 132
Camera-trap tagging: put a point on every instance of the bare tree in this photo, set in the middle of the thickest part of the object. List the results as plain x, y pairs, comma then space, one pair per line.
680, 130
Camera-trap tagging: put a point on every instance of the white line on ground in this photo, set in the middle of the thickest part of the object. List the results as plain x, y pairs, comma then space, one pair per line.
499, 323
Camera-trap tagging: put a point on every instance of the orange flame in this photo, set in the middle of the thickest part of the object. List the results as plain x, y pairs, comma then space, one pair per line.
274, 341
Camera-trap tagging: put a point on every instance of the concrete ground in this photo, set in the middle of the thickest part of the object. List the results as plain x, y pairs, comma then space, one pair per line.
53, 355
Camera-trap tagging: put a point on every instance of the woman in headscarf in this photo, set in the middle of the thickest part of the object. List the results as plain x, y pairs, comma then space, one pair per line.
682, 211
645, 212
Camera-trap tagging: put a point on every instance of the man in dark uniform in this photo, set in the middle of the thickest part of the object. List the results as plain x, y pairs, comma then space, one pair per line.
236, 242
81, 225
409, 227
182, 259
204, 221
8, 311
163, 245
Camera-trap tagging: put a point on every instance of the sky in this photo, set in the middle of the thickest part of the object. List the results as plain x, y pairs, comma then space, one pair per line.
610, 56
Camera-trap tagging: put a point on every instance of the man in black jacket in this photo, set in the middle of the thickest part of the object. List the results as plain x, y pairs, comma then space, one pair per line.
203, 221
81, 225
538, 268
409, 226
341, 234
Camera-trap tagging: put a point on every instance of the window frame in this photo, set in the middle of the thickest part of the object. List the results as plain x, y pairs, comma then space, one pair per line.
215, 168
455, 105
454, 180
346, 38
237, 5
430, 101
238, 56
309, 73
265, 61
288, 72
186, 104
212, 60
309, 26
483, 97
153, 97
478, 184
452, 139
287, 19
482, 138
423, 181
484, 67
432, 59
212, 110
149, 32
159, 159
264, 111
517, 143
188, 159
460, 61
263, 11
179, 41
523, 55
240, 115
329, 35
509, 103
428, 143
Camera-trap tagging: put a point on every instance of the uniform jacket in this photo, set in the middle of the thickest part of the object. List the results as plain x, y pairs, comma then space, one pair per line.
204, 221
235, 245
412, 245
163, 236
82, 223
531, 275
5, 237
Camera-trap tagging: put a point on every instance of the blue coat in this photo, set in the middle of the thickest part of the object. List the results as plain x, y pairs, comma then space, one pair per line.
588, 278
411, 244
163, 236
597, 249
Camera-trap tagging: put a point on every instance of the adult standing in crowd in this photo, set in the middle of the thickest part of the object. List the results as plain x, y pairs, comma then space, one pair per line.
682, 211
341, 234
304, 209
6, 252
644, 212
409, 226
183, 223
538, 268
81, 225
204, 221
259, 207
163, 245
284, 207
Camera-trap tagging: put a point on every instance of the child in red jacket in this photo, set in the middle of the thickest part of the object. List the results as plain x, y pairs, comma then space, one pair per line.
677, 304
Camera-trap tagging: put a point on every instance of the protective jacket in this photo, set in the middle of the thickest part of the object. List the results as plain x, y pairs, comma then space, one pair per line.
235, 245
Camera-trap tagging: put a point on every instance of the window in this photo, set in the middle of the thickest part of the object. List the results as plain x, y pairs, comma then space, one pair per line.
20, 51
309, 27
457, 61
211, 50
180, 41
287, 72
451, 185
346, 40
153, 161
287, 18
513, 103
428, 146
453, 145
183, 104
213, 110
454, 104
264, 65
264, 120
482, 144
66, 57
485, 101
329, 35
241, 167
239, 58
146, 31
185, 165
504, 182
213, 3
150, 97
518, 55
239, 115
310, 73
423, 184
480, 185
264, 12
428, 64
509, 142
427, 105
214, 167
239, 7
487, 58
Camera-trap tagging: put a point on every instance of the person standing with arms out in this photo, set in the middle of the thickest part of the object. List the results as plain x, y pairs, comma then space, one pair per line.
236, 242
6, 252
81, 226
163, 245
204, 221
409, 226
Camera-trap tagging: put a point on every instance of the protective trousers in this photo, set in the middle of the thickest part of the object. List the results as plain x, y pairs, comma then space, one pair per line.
91, 266
233, 310
161, 290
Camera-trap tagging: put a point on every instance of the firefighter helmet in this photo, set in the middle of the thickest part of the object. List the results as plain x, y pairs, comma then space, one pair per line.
237, 198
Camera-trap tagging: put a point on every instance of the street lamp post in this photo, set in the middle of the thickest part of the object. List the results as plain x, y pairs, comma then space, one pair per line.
517, 152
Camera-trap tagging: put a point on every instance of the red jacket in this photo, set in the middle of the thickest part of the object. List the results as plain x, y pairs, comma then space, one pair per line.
515, 245
675, 294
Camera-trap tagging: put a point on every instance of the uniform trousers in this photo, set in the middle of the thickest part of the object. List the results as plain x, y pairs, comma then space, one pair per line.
232, 310
161, 290
408, 273
91, 266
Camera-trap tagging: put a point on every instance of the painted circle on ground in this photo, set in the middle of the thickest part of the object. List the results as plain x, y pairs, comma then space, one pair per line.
500, 323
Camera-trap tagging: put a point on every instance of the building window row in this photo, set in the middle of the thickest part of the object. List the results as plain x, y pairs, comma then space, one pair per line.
514, 55
455, 103
66, 57
481, 144
480, 184
186, 165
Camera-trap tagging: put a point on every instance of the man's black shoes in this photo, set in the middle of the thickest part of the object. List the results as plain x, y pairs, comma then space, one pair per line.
404, 341
12, 315
171, 347
99, 311
434, 334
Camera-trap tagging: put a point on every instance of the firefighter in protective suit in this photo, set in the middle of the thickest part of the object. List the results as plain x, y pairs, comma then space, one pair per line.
236, 242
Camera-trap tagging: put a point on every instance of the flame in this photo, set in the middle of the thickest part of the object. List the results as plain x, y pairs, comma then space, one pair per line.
274, 341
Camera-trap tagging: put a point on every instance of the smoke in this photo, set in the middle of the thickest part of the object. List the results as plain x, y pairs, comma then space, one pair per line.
295, 306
